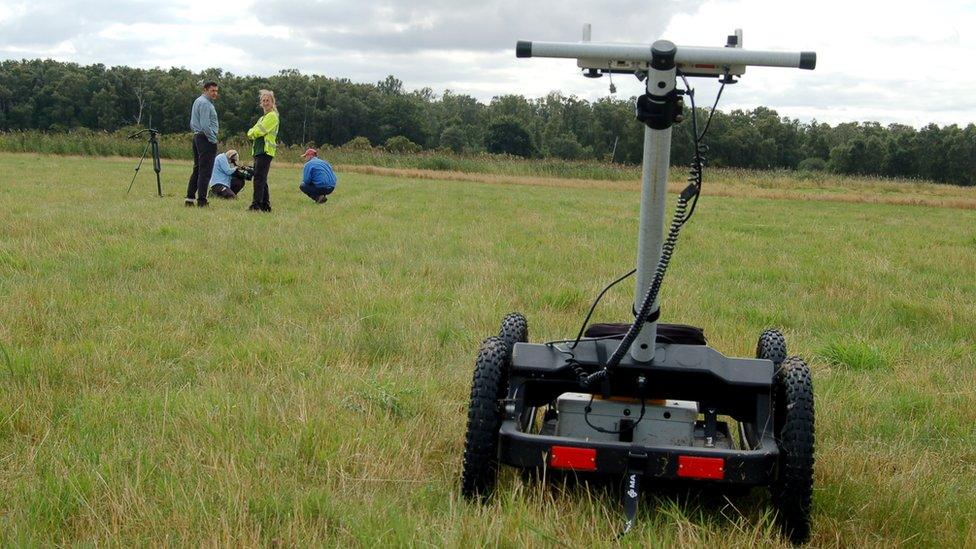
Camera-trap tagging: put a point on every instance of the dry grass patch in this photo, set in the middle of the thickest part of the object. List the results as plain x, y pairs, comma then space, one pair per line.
736, 184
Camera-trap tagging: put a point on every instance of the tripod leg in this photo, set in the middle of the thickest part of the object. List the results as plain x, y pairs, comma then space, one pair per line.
139, 165
157, 167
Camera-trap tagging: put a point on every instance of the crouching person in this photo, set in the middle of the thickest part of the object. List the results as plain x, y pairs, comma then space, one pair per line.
318, 179
227, 178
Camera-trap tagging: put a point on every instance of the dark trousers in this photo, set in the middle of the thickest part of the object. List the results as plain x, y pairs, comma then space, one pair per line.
204, 153
223, 191
314, 192
262, 198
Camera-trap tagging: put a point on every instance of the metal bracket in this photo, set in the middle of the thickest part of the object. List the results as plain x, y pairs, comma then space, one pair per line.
659, 113
631, 497
711, 426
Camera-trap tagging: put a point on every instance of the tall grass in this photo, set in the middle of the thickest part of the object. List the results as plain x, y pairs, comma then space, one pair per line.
91, 143
183, 376
855, 355
446, 165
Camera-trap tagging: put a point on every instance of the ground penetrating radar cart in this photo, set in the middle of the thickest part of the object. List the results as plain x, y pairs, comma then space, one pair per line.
648, 401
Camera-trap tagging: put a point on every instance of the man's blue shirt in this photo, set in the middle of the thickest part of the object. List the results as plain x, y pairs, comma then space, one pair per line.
203, 118
319, 173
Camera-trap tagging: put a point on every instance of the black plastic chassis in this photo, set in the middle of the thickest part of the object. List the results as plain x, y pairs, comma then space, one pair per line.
735, 387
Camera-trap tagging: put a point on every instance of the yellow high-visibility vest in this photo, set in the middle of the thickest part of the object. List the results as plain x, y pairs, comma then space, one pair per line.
265, 135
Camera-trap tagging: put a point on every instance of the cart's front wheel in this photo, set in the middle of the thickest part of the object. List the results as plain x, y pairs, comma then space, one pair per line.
792, 493
480, 468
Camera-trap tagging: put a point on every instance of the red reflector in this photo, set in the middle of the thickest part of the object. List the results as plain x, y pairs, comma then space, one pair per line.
577, 459
699, 467
704, 66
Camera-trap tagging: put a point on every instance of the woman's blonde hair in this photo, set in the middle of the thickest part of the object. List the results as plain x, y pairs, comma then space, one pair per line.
269, 93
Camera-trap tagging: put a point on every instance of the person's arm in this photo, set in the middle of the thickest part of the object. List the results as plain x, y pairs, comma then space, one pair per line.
330, 177
194, 123
307, 173
225, 166
252, 133
214, 125
257, 130
264, 126
218, 167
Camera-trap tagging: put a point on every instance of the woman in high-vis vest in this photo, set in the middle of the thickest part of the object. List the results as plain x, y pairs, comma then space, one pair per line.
265, 137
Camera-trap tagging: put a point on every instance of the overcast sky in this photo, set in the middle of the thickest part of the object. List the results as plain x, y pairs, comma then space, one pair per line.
884, 61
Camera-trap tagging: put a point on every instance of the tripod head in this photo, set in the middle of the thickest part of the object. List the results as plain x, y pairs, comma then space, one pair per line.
153, 132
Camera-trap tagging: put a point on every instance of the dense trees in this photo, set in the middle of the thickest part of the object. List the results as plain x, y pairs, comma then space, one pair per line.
54, 96
507, 135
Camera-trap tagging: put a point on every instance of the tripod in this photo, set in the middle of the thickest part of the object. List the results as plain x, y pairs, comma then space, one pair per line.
154, 145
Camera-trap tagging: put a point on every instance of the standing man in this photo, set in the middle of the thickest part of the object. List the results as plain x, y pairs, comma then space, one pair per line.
203, 124
318, 179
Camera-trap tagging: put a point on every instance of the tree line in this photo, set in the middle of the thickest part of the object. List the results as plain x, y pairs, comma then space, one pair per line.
55, 96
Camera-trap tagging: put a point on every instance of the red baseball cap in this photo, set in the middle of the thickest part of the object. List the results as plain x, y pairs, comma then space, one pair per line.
310, 152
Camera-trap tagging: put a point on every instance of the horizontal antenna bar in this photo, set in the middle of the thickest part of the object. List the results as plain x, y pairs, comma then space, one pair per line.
685, 54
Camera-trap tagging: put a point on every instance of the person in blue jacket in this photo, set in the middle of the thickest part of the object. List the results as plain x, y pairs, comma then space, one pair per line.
318, 179
227, 178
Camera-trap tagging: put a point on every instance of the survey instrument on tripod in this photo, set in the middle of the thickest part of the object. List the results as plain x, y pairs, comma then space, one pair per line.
152, 144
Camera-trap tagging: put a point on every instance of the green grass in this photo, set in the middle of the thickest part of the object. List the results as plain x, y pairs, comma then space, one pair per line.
771, 184
178, 147
855, 355
184, 377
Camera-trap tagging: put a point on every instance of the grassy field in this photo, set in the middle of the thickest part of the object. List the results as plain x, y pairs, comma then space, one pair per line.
184, 376
178, 147
496, 168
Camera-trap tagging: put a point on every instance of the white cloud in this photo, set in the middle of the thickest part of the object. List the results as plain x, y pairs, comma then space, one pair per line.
883, 55
882, 61
12, 11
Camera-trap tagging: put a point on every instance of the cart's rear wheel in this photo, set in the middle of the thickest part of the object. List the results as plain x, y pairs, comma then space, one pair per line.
793, 418
480, 468
514, 329
771, 346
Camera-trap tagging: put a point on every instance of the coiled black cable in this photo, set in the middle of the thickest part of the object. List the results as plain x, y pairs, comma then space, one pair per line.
697, 169
667, 249
690, 193
578, 369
